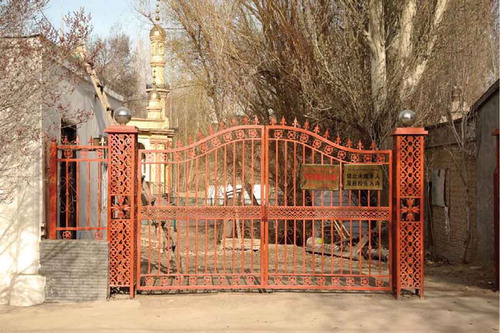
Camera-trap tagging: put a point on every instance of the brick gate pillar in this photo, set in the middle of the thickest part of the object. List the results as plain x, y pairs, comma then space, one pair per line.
408, 210
122, 184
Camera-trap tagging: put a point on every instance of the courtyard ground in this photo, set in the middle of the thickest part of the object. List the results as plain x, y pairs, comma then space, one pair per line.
457, 299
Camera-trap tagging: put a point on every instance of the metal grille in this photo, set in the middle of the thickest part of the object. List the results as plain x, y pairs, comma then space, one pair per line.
228, 212
78, 191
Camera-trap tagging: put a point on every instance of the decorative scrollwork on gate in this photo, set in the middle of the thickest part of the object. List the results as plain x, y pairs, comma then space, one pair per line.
322, 145
225, 194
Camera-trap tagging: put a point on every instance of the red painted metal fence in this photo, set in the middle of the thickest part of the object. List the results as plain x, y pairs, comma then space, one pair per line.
231, 211
78, 191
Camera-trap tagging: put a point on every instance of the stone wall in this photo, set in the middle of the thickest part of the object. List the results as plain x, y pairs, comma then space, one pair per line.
75, 270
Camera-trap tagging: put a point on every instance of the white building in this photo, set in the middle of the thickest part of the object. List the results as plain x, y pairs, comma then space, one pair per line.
23, 212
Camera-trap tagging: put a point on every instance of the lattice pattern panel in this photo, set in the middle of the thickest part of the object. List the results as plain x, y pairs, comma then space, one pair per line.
331, 282
121, 164
411, 161
275, 212
181, 281
350, 153
206, 145
411, 261
201, 212
122, 151
409, 205
337, 213
120, 234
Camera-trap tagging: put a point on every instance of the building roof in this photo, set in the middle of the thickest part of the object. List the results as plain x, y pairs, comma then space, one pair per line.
485, 97
489, 93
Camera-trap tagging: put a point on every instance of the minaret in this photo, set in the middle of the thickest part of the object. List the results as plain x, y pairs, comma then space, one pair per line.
157, 94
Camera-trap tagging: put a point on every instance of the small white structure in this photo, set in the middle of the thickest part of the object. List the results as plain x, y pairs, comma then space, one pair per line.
23, 213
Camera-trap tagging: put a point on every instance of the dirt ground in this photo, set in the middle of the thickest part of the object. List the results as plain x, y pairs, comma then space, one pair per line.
457, 299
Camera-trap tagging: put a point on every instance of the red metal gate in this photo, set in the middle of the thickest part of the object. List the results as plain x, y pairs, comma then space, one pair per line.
230, 212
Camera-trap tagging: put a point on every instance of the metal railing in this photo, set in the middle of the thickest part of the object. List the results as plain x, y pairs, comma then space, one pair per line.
78, 191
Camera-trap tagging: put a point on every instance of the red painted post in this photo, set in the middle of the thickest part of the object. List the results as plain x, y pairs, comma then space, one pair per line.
122, 185
496, 208
52, 225
408, 209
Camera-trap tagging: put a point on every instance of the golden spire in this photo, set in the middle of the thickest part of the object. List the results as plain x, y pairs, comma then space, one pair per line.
157, 11
157, 31
154, 95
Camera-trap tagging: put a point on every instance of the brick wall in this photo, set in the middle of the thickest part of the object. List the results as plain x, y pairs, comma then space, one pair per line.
441, 147
451, 243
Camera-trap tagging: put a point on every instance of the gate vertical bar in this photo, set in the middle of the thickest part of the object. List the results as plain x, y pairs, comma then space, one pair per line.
408, 209
53, 191
122, 184
264, 248
496, 213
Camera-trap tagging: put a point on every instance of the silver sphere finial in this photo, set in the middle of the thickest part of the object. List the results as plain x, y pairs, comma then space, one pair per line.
407, 118
123, 115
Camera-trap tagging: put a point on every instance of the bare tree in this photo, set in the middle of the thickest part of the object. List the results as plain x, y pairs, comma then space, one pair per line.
468, 75
349, 65
114, 61
34, 61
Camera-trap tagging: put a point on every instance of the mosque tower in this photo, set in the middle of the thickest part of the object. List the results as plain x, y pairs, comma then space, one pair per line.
157, 93
154, 130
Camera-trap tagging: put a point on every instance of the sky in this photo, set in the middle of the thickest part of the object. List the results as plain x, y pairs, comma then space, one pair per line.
105, 15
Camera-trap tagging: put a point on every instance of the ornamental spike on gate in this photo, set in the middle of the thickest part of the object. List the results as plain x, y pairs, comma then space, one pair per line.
337, 140
316, 129
283, 121
246, 120
360, 145
295, 122
327, 134
273, 120
306, 125
256, 120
